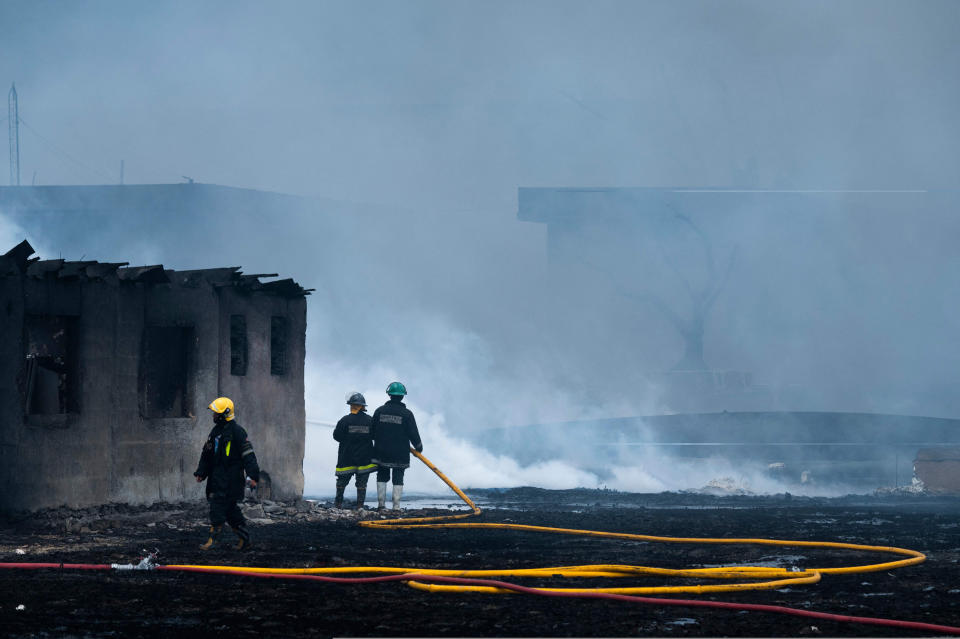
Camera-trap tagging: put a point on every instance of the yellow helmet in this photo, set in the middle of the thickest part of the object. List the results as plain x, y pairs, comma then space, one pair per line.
223, 406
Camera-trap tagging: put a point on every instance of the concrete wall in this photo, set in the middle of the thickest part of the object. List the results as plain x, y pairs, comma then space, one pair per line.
11, 365
269, 407
56, 458
939, 469
154, 458
108, 451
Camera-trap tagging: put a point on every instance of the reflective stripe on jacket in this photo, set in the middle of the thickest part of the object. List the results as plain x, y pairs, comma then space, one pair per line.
356, 444
226, 456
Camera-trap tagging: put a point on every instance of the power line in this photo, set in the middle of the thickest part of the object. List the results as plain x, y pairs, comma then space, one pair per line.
109, 178
13, 133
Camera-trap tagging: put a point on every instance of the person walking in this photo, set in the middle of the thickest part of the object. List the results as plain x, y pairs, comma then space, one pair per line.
355, 451
227, 455
394, 430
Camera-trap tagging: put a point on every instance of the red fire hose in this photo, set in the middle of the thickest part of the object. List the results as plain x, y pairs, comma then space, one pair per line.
726, 605
147, 564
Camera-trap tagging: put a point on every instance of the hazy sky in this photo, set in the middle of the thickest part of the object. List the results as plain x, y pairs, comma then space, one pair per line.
452, 105
440, 110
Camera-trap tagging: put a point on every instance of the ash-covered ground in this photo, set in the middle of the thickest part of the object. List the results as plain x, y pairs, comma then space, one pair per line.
55, 603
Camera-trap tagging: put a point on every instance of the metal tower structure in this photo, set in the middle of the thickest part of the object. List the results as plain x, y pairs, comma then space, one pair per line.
13, 132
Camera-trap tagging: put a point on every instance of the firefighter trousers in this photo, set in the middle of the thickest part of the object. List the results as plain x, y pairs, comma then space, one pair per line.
224, 509
383, 474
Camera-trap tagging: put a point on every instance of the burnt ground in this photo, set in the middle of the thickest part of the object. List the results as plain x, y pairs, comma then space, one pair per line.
104, 604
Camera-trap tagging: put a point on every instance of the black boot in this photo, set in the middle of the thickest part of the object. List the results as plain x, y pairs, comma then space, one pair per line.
361, 495
243, 543
213, 539
338, 501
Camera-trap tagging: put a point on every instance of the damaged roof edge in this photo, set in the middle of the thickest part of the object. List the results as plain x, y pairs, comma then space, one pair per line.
18, 260
147, 274
18, 257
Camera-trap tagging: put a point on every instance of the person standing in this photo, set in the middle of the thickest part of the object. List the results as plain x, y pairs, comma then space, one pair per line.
356, 449
394, 430
227, 455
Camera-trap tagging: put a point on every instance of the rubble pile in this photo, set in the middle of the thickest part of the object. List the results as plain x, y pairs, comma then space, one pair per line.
179, 516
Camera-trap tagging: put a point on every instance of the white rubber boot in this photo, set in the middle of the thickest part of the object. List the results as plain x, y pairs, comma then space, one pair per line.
381, 494
397, 494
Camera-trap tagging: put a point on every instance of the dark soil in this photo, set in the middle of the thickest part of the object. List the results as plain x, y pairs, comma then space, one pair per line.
58, 603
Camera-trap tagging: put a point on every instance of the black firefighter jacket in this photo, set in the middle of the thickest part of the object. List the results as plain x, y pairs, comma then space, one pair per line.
225, 457
356, 444
394, 429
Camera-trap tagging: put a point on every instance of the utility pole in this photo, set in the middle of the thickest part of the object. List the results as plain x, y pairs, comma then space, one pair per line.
13, 131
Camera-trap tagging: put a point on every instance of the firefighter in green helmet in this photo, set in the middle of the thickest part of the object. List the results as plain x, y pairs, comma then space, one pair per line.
394, 431
227, 455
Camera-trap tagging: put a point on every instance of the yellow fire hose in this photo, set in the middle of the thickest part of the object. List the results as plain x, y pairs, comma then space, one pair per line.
769, 577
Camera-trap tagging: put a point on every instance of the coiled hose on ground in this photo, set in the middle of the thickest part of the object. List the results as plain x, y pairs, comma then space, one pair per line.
761, 578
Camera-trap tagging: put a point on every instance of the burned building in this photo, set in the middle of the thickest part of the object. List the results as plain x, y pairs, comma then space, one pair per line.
106, 371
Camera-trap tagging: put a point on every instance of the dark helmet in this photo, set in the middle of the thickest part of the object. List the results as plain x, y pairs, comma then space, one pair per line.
396, 389
356, 399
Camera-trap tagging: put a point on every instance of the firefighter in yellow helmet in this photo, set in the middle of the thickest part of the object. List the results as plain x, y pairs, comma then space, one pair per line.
227, 455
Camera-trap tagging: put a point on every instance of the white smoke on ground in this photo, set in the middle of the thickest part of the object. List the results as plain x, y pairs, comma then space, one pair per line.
466, 464
447, 383
441, 388
471, 466
656, 472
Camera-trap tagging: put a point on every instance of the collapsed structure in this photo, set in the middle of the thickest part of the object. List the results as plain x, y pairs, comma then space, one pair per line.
106, 371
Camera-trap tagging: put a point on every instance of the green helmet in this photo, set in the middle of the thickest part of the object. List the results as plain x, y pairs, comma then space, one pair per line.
396, 389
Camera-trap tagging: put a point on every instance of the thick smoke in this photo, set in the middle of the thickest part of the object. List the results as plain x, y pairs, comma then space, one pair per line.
10, 233
409, 128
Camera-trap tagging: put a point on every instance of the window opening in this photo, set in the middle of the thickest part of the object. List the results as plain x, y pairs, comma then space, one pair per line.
278, 345
52, 369
238, 345
165, 371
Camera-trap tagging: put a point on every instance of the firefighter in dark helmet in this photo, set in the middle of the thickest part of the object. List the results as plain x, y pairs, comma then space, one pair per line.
227, 455
394, 429
356, 449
